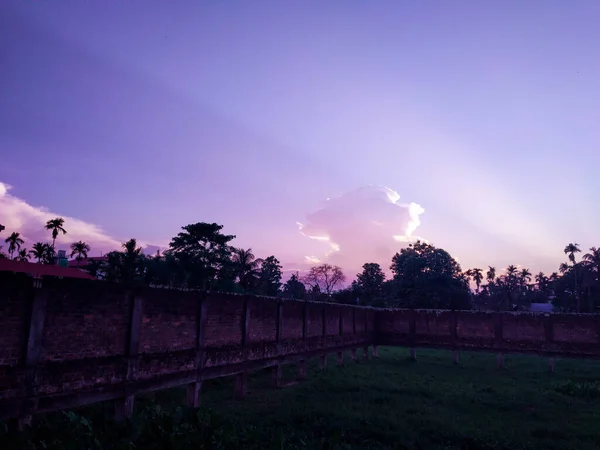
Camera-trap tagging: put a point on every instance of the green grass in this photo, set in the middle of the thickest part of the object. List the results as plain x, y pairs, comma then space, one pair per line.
389, 403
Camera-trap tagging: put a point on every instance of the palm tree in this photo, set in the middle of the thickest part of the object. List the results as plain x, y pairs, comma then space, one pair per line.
542, 281
130, 259
80, 249
563, 268
38, 251
476, 275
14, 242
56, 226
246, 266
22, 255
490, 275
570, 251
592, 259
525, 276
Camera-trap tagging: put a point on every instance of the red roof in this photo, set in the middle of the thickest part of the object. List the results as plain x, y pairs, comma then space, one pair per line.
86, 261
42, 270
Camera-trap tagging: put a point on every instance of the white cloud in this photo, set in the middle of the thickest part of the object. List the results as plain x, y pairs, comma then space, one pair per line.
17, 215
369, 224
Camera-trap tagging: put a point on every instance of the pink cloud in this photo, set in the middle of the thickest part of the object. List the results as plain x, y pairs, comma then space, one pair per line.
369, 224
17, 215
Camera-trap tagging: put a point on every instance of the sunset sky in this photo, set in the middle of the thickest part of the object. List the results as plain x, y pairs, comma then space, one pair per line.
133, 118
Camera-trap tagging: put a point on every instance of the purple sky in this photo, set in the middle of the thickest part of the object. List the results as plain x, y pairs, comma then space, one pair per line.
143, 116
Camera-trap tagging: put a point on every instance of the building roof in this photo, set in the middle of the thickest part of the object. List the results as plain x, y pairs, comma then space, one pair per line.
42, 270
86, 261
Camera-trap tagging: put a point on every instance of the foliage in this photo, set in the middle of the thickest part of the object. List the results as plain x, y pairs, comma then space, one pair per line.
428, 277
294, 288
269, 276
369, 283
324, 278
14, 242
56, 226
201, 257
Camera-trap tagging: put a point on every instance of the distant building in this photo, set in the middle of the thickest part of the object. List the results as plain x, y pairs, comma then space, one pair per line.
36, 270
541, 307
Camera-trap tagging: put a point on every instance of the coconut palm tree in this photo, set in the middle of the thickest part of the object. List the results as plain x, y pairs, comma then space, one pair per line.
38, 251
246, 266
490, 275
476, 275
524, 277
80, 249
130, 260
56, 225
14, 242
592, 259
570, 251
542, 281
22, 255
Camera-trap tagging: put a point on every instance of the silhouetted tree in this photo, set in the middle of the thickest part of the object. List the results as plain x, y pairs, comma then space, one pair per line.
14, 242
56, 226
325, 277
294, 288
428, 277
80, 250
369, 283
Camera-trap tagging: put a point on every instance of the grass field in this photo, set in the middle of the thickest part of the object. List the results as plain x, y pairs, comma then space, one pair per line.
389, 403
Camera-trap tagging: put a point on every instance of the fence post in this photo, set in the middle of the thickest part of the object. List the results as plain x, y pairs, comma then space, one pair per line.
33, 352
194, 389
124, 406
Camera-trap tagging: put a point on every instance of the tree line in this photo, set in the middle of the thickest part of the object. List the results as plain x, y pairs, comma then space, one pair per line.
201, 256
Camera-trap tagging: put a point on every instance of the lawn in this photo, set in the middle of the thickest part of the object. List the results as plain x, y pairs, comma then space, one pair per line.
389, 403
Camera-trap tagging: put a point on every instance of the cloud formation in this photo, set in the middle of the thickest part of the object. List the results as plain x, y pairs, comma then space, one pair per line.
17, 215
368, 224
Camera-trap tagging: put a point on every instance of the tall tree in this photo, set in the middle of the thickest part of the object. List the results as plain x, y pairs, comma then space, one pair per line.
294, 288
428, 277
570, 250
130, 261
246, 267
325, 277
477, 276
14, 242
56, 226
524, 277
38, 251
22, 255
80, 250
369, 283
202, 251
270, 276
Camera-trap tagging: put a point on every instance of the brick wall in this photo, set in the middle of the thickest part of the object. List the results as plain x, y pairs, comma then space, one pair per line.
76, 341
562, 334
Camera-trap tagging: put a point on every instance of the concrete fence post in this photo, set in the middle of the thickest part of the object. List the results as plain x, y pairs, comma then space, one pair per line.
194, 389
33, 352
124, 406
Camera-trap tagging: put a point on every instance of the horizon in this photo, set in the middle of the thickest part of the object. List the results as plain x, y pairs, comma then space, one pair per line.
484, 146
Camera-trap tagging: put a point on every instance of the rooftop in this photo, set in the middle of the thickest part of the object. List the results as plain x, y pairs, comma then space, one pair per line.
42, 270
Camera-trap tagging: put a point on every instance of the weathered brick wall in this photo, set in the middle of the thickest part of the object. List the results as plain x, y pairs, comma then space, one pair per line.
92, 337
88, 340
84, 323
566, 334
